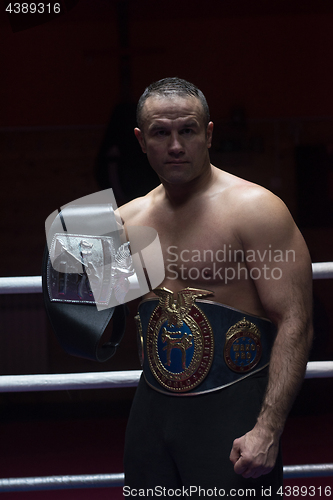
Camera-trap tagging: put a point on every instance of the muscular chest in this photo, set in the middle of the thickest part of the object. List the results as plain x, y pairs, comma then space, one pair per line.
198, 246
203, 261
202, 248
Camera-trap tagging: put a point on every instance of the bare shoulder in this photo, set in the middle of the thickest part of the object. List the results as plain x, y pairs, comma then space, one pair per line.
256, 213
259, 205
252, 204
137, 209
129, 210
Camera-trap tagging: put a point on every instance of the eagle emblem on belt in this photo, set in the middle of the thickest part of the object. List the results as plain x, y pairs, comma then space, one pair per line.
180, 341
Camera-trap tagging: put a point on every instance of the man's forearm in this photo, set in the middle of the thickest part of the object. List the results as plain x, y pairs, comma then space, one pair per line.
286, 373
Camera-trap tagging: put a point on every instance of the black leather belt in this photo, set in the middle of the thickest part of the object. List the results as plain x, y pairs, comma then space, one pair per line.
79, 282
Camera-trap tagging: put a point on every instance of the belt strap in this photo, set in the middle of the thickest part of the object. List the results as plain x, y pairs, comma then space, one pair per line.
78, 324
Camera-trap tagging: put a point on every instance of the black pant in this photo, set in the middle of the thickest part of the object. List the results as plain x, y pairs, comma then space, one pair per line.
175, 442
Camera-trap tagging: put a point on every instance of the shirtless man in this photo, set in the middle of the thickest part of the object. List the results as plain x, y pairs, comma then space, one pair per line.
199, 211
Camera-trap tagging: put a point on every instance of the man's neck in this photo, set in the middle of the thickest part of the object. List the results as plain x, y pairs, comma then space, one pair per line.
179, 194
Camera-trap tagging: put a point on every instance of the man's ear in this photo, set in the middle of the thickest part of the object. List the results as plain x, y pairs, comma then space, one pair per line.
210, 128
140, 138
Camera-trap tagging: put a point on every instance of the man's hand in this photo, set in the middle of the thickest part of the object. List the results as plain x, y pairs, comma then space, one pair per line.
254, 454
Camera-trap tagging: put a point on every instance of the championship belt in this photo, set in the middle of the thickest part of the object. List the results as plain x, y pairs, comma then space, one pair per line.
85, 273
193, 346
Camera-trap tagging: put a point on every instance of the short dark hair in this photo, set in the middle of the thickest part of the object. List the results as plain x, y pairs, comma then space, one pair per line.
168, 87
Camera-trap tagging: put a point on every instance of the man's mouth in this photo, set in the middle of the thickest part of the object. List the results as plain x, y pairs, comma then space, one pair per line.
176, 162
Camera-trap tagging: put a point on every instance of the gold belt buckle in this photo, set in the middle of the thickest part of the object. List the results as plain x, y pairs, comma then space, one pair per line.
180, 340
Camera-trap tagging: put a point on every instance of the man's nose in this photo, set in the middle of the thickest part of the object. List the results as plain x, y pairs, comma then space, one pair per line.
175, 144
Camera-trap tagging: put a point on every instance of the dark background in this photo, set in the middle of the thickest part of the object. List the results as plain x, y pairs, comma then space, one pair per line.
68, 89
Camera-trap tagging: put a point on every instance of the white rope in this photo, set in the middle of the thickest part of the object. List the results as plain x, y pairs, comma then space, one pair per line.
69, 381
33, 284
319, 369
315, 470
109, 380
23, 284
322, 270
114, 480
61, 482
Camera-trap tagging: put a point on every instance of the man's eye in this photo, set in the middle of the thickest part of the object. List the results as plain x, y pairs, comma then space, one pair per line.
186, 131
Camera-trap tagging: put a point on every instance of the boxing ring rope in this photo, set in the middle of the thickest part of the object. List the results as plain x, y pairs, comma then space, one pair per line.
33, 284
114, 480
119, 379
109, 380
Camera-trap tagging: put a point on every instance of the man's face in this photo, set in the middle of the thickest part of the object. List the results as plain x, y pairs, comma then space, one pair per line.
175, 138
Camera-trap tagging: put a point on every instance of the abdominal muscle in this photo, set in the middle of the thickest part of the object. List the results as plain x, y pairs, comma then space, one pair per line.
230, 285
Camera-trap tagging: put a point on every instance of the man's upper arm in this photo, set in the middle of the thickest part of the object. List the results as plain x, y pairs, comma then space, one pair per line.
278, 258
